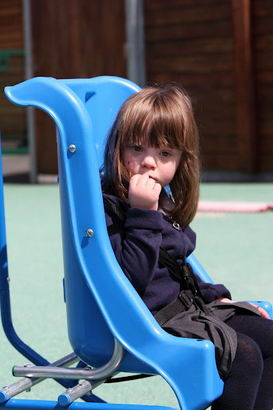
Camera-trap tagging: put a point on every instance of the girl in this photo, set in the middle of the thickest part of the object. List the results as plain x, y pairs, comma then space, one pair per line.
154, 144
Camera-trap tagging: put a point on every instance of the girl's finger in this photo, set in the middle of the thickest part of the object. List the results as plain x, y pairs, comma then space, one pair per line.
157, 187
135, 179
150, 183
262, 311
145, 182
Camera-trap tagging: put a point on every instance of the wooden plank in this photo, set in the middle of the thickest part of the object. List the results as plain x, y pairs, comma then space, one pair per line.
203, 82
12, 117
218, 29
215, 100
194, 64
210, 130
263, 23
223, 161
262, 8
265, 42
182, 14
266, 95
11, 24
15, 127
188, 47
209, 135
264, 60
222, 118
266, 162
12, 120
245, 96
266, 125
208, 47
262, 26
76, 39
266, 145
264, 78
191, 44
163, 4
46, 144
265, 130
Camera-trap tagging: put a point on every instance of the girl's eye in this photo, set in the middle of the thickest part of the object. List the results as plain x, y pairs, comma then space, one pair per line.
137, 148
165, 154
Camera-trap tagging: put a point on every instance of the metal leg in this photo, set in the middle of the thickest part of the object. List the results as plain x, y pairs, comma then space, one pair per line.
26, 383
102, 372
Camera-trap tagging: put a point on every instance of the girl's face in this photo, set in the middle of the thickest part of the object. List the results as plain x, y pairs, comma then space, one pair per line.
159, 164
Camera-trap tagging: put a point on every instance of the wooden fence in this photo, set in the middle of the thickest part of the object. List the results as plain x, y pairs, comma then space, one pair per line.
220, 51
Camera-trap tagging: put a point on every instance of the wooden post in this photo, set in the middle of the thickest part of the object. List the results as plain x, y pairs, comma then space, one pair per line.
244, 86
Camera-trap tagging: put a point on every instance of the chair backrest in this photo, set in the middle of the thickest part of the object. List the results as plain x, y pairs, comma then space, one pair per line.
96, 289
102, 98
101, 302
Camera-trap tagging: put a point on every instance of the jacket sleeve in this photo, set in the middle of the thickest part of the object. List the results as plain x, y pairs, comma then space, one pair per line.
136, 245
211, 292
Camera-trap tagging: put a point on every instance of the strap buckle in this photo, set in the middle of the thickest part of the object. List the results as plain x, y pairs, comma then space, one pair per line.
186, 297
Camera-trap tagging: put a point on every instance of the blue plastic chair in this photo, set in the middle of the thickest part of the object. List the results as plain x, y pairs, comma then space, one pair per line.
104, 312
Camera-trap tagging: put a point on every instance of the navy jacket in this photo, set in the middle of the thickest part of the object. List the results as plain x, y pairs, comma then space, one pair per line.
136, 244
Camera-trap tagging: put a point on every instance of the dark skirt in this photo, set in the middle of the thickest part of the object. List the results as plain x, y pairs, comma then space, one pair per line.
185, 318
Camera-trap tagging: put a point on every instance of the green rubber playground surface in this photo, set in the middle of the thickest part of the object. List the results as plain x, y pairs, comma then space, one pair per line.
235, 248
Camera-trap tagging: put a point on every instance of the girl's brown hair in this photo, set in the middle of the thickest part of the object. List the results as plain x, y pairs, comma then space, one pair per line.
157, 117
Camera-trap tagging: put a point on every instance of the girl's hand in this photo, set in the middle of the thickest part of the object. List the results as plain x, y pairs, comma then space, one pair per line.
226, 300
262, 311
144, 192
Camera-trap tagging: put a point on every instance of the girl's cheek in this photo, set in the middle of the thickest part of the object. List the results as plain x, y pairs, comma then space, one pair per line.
129, 165
127, 162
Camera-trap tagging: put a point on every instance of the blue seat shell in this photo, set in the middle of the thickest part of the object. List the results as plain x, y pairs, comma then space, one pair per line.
101, 302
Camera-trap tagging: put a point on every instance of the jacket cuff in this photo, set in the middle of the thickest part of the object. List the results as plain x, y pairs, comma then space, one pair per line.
213, 292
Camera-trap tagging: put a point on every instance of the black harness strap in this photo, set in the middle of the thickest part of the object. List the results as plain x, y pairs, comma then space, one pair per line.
182, 272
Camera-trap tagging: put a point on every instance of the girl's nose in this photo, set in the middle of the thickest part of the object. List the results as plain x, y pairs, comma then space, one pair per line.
149, 162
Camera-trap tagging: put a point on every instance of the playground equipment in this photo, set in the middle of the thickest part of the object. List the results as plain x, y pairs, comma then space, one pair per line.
124, 336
